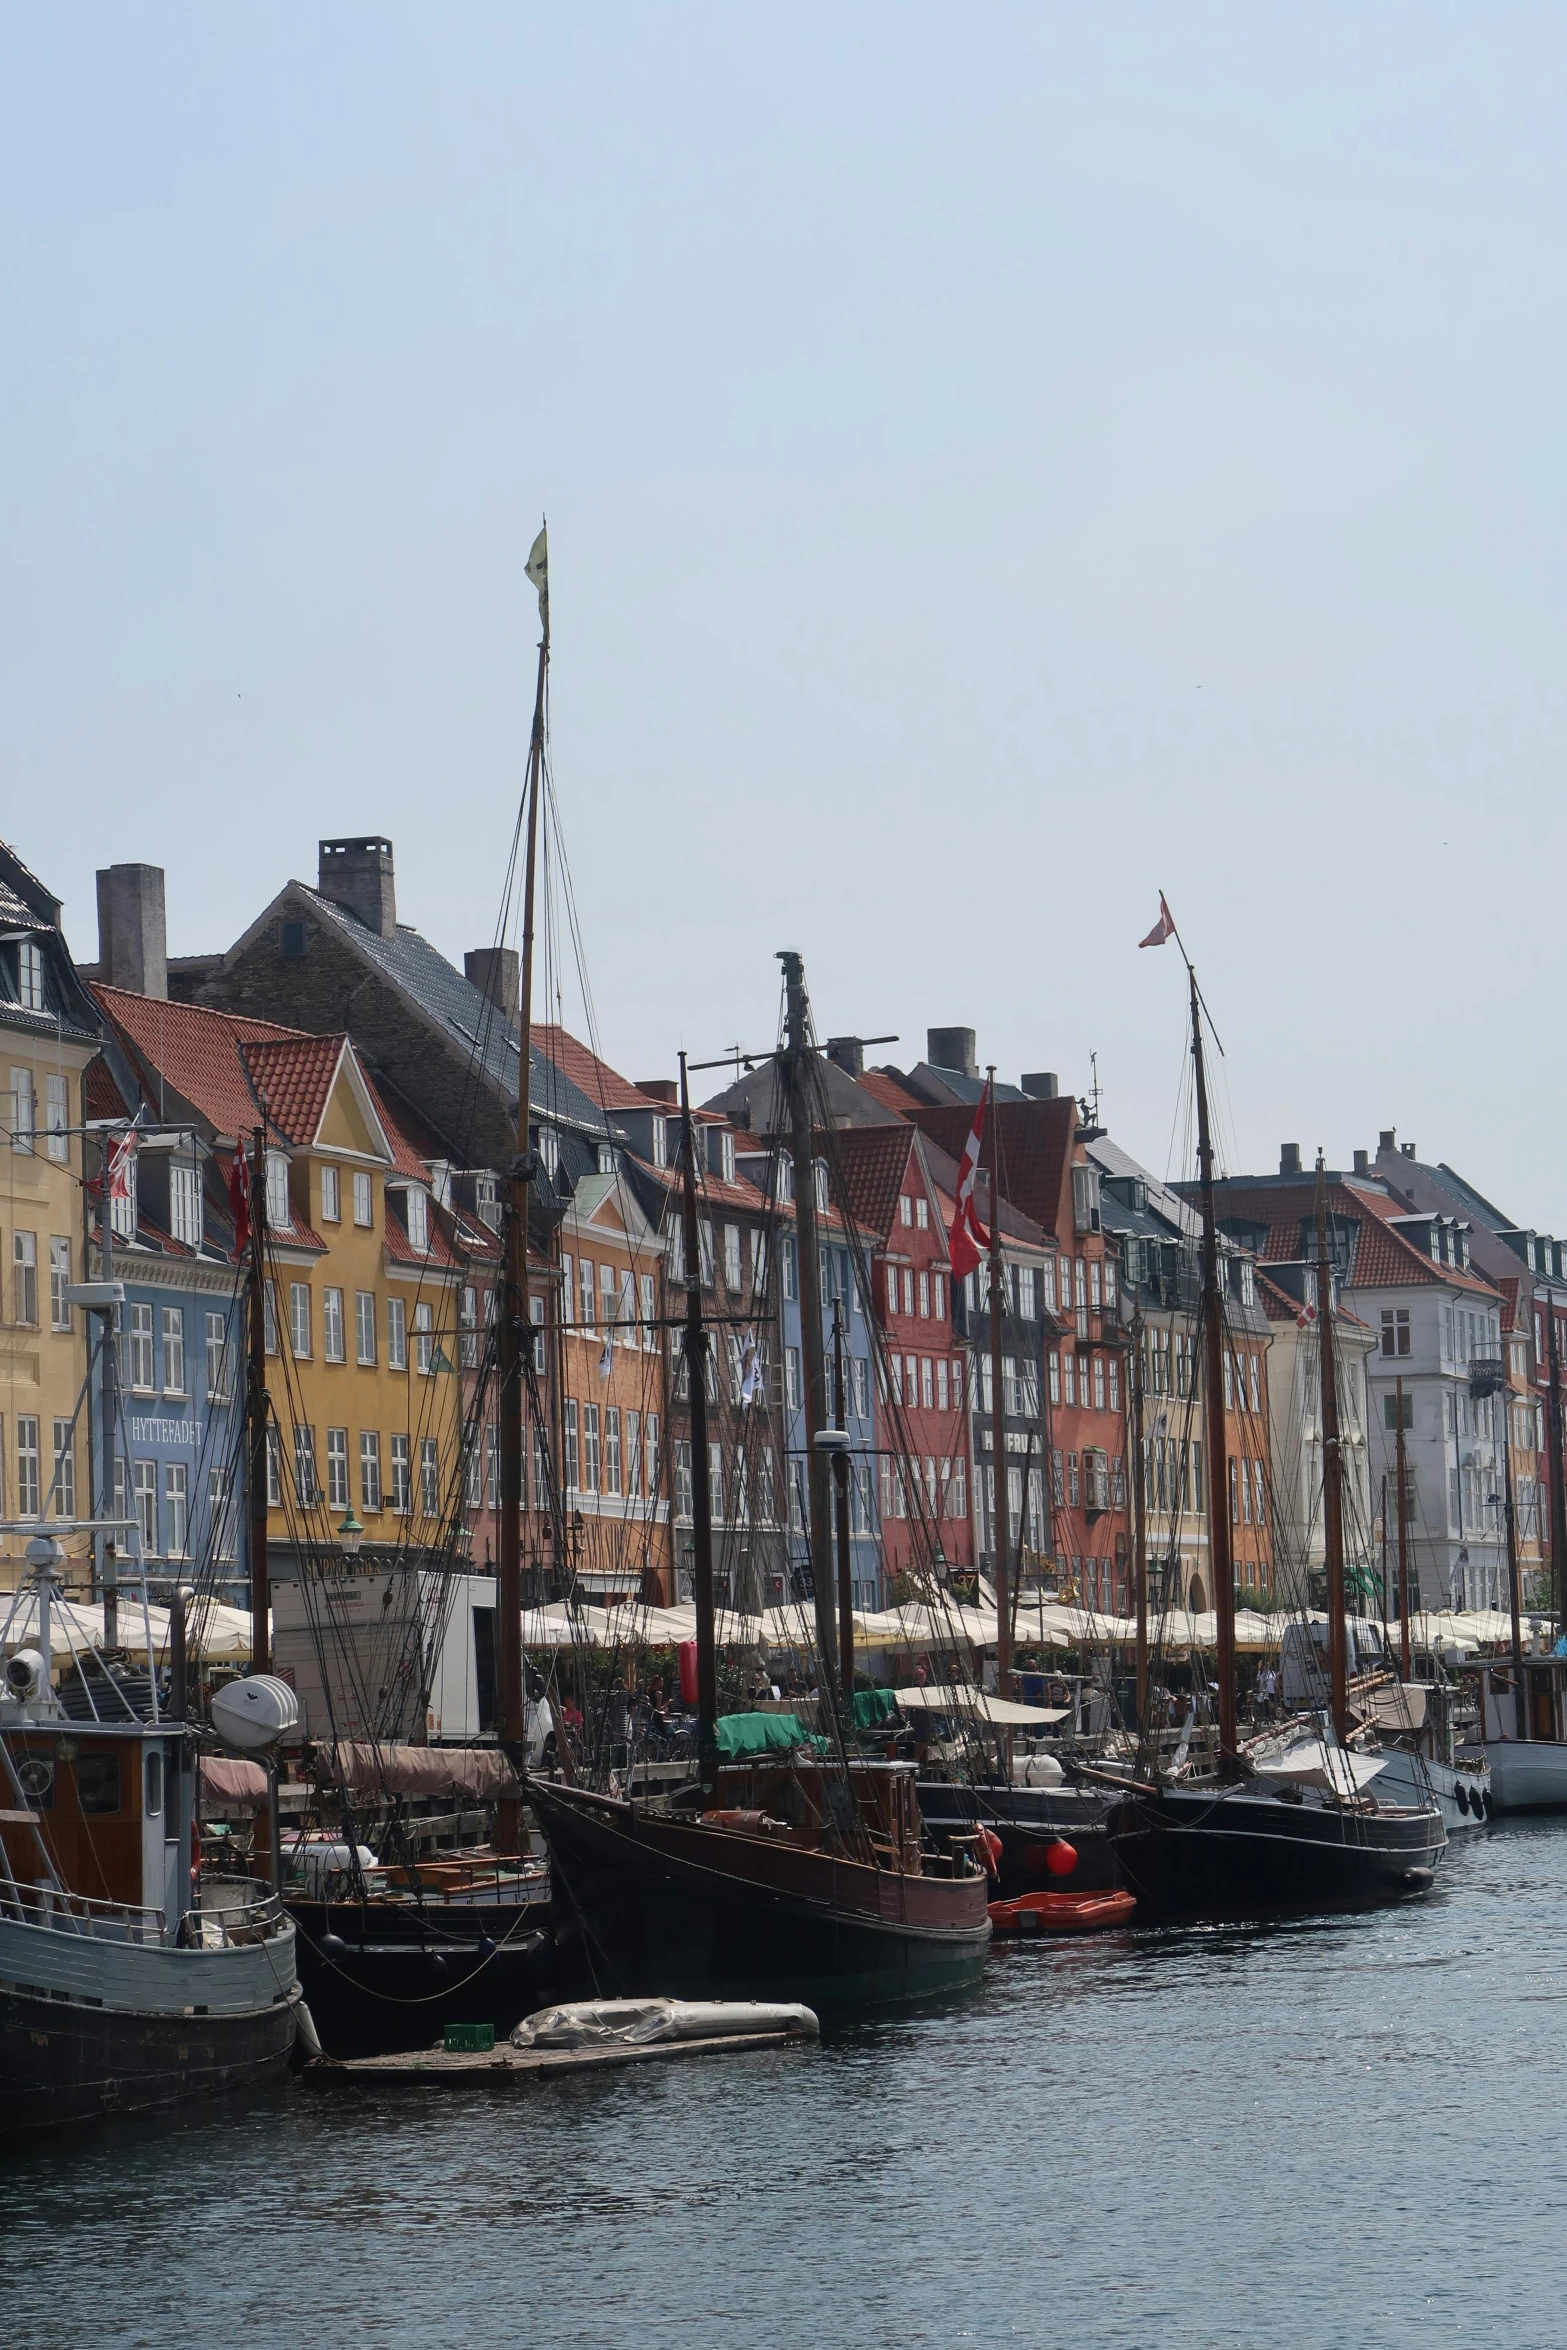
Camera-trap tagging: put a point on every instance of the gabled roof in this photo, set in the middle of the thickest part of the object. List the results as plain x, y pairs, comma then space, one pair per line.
197, 1053
944, 1170
1036, 1140
294, 1077
445, 999
867, 1169
1384, 1258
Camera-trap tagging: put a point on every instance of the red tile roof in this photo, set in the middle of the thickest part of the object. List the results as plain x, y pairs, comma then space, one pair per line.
892, 1096
1036, 1139
293, 1077
194, 1051
588, 1073
405, 1157
868, 1166
101, 1093
1384, 1258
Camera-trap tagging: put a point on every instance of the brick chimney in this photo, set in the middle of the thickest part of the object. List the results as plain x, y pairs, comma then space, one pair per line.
951, 1048
1041, 1085
848, 1054
497, 974
357, 875
1289, 1158
133, 946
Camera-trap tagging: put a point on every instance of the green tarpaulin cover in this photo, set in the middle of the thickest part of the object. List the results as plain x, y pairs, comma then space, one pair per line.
872, 1707
743, 1734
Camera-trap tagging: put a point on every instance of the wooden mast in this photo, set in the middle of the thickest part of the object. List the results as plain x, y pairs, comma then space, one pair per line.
514, 1330
1405, 1667
840, 1477
1558, 1497
701, 1477
1139, 1520
1220, 1552
1520, 1700
998, 1419
1332, 1475
256, 1413
794, 1064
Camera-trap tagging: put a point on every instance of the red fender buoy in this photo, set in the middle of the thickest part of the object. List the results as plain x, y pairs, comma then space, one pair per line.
1061, 1858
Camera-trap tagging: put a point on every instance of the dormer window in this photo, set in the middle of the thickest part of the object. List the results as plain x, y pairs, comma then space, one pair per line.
30, 976
821, 1187
549, 1150
278, 1216
726, 1157
606, 1158
487, 1201
660, 1142
418, 1219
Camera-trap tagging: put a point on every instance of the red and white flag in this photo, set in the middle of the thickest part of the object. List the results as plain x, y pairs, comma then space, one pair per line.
969, 1238
1164, 928
239, 1201
122, 1167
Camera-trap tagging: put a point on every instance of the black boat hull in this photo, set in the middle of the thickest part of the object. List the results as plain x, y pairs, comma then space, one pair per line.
63, 2060
383, 1977
1031, 1822
657, 1921
1204, 1852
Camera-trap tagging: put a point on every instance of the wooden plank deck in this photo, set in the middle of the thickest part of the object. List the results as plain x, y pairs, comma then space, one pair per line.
435, 2068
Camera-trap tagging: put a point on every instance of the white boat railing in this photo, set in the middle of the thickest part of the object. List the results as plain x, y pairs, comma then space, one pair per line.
82, 1913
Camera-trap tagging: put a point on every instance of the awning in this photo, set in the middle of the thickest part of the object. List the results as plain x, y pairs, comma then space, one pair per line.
479, 1772
1314, 1764
1003, 1711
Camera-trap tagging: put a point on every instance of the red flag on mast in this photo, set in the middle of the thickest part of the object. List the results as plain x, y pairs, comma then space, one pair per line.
969, 1238
1164, 928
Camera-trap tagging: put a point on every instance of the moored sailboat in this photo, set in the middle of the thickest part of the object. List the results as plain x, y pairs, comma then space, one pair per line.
1271, 1826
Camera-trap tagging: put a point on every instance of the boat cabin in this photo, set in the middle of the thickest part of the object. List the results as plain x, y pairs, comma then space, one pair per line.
104, 1803
1545, 1699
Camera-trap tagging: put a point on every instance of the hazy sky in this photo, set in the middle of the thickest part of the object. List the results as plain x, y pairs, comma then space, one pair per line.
999, 464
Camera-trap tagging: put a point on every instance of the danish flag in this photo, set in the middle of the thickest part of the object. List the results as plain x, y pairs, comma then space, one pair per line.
969, 1237
1164, 928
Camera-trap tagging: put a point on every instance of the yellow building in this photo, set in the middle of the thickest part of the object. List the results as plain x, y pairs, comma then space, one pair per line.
362, 1341
47, 1040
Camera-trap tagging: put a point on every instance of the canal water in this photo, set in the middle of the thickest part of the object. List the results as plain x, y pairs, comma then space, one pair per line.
1338, 2132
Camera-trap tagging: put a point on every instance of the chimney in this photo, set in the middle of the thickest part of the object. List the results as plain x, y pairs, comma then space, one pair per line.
951, 1048
1408, 1149
357, 875
1289, 1158
1042, 1085
497, 974
132, 933
848, 1054
660, 1089
1387, 1138
1362, 1162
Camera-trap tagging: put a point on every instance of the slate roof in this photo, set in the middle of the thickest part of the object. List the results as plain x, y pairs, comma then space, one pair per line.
475, 1030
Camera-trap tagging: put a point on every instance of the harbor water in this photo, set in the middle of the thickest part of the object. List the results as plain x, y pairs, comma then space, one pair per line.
1331, 2132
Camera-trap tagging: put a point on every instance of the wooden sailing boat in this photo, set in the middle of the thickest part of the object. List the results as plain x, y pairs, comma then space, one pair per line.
390, 1958
799, 1875
1235, 1838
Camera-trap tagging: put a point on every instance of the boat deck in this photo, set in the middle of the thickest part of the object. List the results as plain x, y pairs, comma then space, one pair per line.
440, 2068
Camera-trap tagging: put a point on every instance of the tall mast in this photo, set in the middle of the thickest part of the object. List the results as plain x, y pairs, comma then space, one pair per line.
1558, 1497
701, 1481
998, 1418
1520, 1703
106, 1545
795, 1066
1139, 1520
840, 1475
1221, 1557
1405, 1667
514, 1332
256, 1412
1332, 1475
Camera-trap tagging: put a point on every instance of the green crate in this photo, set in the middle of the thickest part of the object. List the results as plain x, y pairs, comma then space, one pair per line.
469, 2039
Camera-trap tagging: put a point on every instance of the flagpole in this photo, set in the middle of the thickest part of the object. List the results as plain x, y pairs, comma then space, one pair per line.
1000, 1529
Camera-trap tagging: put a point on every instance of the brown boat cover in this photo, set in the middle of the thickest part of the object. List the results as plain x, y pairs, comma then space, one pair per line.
228, 1780
479, 1772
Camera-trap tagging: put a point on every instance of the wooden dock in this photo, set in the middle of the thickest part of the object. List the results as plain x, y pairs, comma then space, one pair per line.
436, 2068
